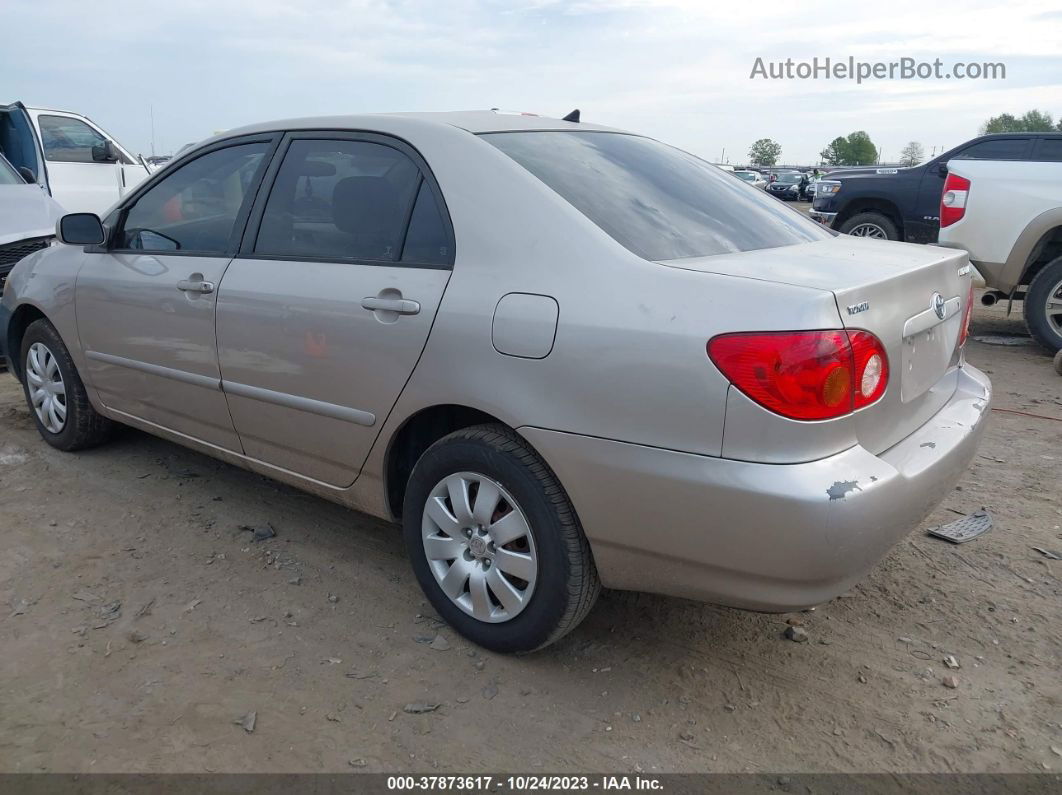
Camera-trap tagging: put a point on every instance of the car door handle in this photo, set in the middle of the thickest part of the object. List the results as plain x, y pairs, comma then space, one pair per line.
401, 306
190, 286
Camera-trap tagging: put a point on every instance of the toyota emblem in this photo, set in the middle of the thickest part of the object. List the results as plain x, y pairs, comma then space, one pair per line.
938, 305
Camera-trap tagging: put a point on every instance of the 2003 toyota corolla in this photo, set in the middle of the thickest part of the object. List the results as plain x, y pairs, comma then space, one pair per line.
563, 356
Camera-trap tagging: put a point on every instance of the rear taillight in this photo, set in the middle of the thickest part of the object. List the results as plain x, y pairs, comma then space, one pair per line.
953, 200
964, 334
804, 375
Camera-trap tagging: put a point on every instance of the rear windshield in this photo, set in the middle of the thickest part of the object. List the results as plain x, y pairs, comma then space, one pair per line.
657, 201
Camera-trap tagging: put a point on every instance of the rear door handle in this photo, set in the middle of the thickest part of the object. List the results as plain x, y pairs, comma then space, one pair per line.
189, 286
401, 306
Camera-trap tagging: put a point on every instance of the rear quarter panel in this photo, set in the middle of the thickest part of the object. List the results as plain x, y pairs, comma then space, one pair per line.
629, 360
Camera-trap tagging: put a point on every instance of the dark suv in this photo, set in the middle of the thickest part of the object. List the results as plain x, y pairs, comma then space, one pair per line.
904, 203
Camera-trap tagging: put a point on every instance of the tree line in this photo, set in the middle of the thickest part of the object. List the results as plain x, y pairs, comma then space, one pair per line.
856, 149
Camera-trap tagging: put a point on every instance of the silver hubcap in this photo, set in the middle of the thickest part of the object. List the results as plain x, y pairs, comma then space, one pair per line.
1053, 309
480, 547
46, 387
868, 230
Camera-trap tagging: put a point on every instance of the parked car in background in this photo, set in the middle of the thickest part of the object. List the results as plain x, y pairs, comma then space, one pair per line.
156, 162
753, 178
904, 203
560, 355
1008, 216
789, 186
79, 164
27, 219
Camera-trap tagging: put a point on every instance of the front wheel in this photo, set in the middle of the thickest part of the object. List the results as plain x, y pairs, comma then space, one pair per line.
1043, 306
55, 393
495, 543
870, 224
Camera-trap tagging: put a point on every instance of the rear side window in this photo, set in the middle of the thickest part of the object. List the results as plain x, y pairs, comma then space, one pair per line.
655, 200
1049, 150
194, 207
428, 238
1002, 149
339, 200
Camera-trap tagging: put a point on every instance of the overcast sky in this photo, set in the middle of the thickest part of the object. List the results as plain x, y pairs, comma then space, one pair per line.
674, 69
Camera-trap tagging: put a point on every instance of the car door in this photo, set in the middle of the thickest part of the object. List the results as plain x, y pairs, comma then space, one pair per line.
325, 312
145, 303
80, 175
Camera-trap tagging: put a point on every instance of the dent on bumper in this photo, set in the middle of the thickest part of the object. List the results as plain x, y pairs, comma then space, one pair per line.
759, 536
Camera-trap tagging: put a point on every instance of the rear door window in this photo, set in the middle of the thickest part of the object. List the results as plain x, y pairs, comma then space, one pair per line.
659, 202
339, 199
1000, 149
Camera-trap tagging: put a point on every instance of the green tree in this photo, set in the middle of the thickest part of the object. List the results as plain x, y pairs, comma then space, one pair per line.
1030, 121
860, 150
765, 152
833, 154
855, 150
912, 154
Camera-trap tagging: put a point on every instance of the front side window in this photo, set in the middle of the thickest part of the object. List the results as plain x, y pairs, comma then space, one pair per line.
68, 140
339, 200
659, 202
1001, 149
195, 207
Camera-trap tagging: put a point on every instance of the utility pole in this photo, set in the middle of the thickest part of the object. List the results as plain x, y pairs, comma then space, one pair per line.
152, 111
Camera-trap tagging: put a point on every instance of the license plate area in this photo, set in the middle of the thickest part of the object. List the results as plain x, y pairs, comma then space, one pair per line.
928, 346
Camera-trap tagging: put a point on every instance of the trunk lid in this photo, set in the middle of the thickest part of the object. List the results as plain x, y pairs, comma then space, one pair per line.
889, 289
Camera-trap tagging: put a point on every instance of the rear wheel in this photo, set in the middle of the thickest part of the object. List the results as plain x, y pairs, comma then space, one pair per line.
1043, 306
870, 224
55, 393
495, 543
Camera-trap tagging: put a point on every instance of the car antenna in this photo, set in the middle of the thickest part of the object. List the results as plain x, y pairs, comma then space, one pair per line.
573, 116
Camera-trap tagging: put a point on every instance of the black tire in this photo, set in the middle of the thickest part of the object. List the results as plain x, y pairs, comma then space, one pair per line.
83, 426
1047, 281
883, 222
567, 584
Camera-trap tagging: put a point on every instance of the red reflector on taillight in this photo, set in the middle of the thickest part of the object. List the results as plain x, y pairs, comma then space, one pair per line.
964, 334
953, 199
804, 375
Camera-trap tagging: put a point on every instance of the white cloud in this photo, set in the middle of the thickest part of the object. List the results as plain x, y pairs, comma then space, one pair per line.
675, 69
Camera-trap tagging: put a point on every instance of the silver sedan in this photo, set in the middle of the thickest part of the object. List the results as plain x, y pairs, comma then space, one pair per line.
561, 356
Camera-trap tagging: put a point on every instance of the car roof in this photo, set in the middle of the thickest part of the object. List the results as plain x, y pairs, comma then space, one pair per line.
473, 121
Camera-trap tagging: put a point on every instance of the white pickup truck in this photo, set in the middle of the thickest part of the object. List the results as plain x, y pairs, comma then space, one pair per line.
72, 158
1008, 216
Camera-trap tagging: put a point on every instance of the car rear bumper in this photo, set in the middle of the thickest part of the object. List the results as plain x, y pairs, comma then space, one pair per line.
759, 536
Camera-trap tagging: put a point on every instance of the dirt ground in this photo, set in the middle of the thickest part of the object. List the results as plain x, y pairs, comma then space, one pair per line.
139, 623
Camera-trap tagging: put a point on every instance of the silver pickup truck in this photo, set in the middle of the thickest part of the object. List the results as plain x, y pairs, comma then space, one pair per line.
1008, 216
